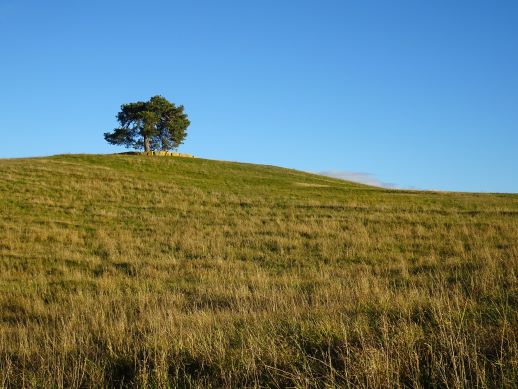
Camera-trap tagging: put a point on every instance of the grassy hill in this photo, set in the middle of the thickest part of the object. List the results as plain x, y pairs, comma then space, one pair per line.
153, 272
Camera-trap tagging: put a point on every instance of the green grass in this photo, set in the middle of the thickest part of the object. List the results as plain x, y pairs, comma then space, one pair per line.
134, 271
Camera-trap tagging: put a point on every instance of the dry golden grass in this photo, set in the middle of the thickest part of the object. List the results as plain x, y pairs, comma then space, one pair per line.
131, 271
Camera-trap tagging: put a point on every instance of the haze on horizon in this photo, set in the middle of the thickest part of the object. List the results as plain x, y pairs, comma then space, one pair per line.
420, 95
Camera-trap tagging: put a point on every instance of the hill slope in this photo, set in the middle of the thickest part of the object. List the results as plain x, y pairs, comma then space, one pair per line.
140, 271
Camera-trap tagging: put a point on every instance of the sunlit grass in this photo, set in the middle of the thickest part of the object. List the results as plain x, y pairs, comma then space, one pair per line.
161, 271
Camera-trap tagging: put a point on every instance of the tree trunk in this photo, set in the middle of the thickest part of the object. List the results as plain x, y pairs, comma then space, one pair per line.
146, 144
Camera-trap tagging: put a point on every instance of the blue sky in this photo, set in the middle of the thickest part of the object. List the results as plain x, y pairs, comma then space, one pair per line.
420, 94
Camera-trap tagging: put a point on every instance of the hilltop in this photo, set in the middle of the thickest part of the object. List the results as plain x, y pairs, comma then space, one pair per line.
132, 270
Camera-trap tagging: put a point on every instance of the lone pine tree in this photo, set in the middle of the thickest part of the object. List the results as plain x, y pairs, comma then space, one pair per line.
156, 124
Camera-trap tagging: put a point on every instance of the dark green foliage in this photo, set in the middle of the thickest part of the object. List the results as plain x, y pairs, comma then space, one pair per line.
156, 124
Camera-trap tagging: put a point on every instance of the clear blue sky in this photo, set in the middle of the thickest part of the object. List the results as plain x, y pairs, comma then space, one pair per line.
417, 93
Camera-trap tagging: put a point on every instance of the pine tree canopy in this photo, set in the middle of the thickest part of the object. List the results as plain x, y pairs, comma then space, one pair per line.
156, 124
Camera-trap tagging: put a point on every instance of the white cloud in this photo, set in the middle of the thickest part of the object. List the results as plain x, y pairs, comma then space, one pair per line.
362, 178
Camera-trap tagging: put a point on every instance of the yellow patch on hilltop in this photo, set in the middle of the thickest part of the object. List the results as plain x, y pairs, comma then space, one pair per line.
311, 185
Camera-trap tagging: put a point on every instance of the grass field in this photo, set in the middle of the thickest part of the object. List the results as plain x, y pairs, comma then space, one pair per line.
135, 271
